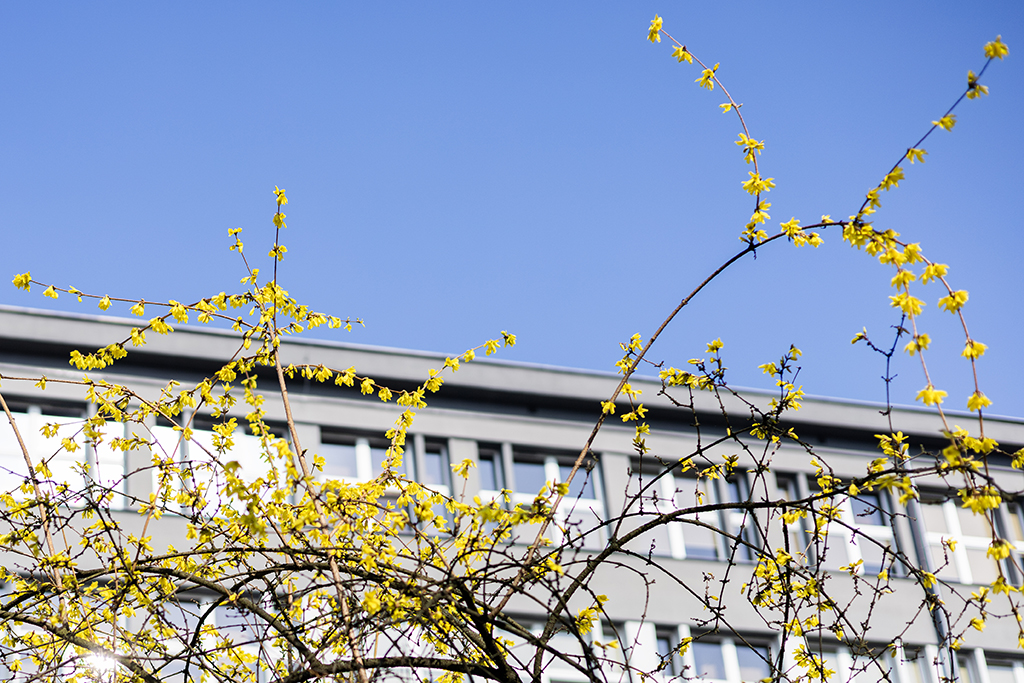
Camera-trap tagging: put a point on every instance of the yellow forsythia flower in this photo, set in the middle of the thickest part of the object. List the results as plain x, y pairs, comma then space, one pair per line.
931, 396
654, 32
683, 55
977, 401
997, 49
946, 122
22, 281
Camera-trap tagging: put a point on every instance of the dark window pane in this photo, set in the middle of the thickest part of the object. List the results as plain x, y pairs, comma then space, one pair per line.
753, 662
530, 476
666, 643
734, 492
867, 509
875, 558
378, 454
582, 485
339, 460
490, 472
707, 657
435, 465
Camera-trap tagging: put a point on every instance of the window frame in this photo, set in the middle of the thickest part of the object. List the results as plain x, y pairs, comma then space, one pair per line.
552, 461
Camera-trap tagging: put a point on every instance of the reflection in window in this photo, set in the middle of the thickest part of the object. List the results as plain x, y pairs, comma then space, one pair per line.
490, 469
700, 541
530, 475
667, 644
580, 513
436, 471
64, 466
861, 537
944, 520
731, 659
200, 465
868, 665
355, 458
708, 660
650, 496
753, 662
698, 534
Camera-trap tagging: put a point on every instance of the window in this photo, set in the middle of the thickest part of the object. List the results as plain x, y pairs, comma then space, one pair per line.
862, 534
90, 465
729, 659
491, 469
667, 644
242, 640
968, 666
1003, 670
525, 472
868, 665
1013, 520
871, 517
63, 465
915, 663
559, 669
200, 465
695, 536
943, 521
358, 458
793, 487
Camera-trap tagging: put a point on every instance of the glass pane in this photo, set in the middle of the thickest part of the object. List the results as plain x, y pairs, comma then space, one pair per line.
582, 485
966, 666
754, 662
972, 524
699, 540
339, 461
734, 492
656, 541
435, 466
582, 525
875, 558
868, 668
490, 472
530, 476
235, 624
1016, 530
1000, 672
867, 509
914, 663
983, 568
707, 657
933, 517
832, 552
378, 454
665, 644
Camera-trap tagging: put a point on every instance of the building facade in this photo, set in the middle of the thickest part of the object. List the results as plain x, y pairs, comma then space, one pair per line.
522, 426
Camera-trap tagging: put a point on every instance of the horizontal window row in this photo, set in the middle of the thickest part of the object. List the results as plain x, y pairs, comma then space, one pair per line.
863, 537
752, 657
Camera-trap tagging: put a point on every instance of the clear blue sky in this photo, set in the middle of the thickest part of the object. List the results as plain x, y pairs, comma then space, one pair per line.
459, 169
